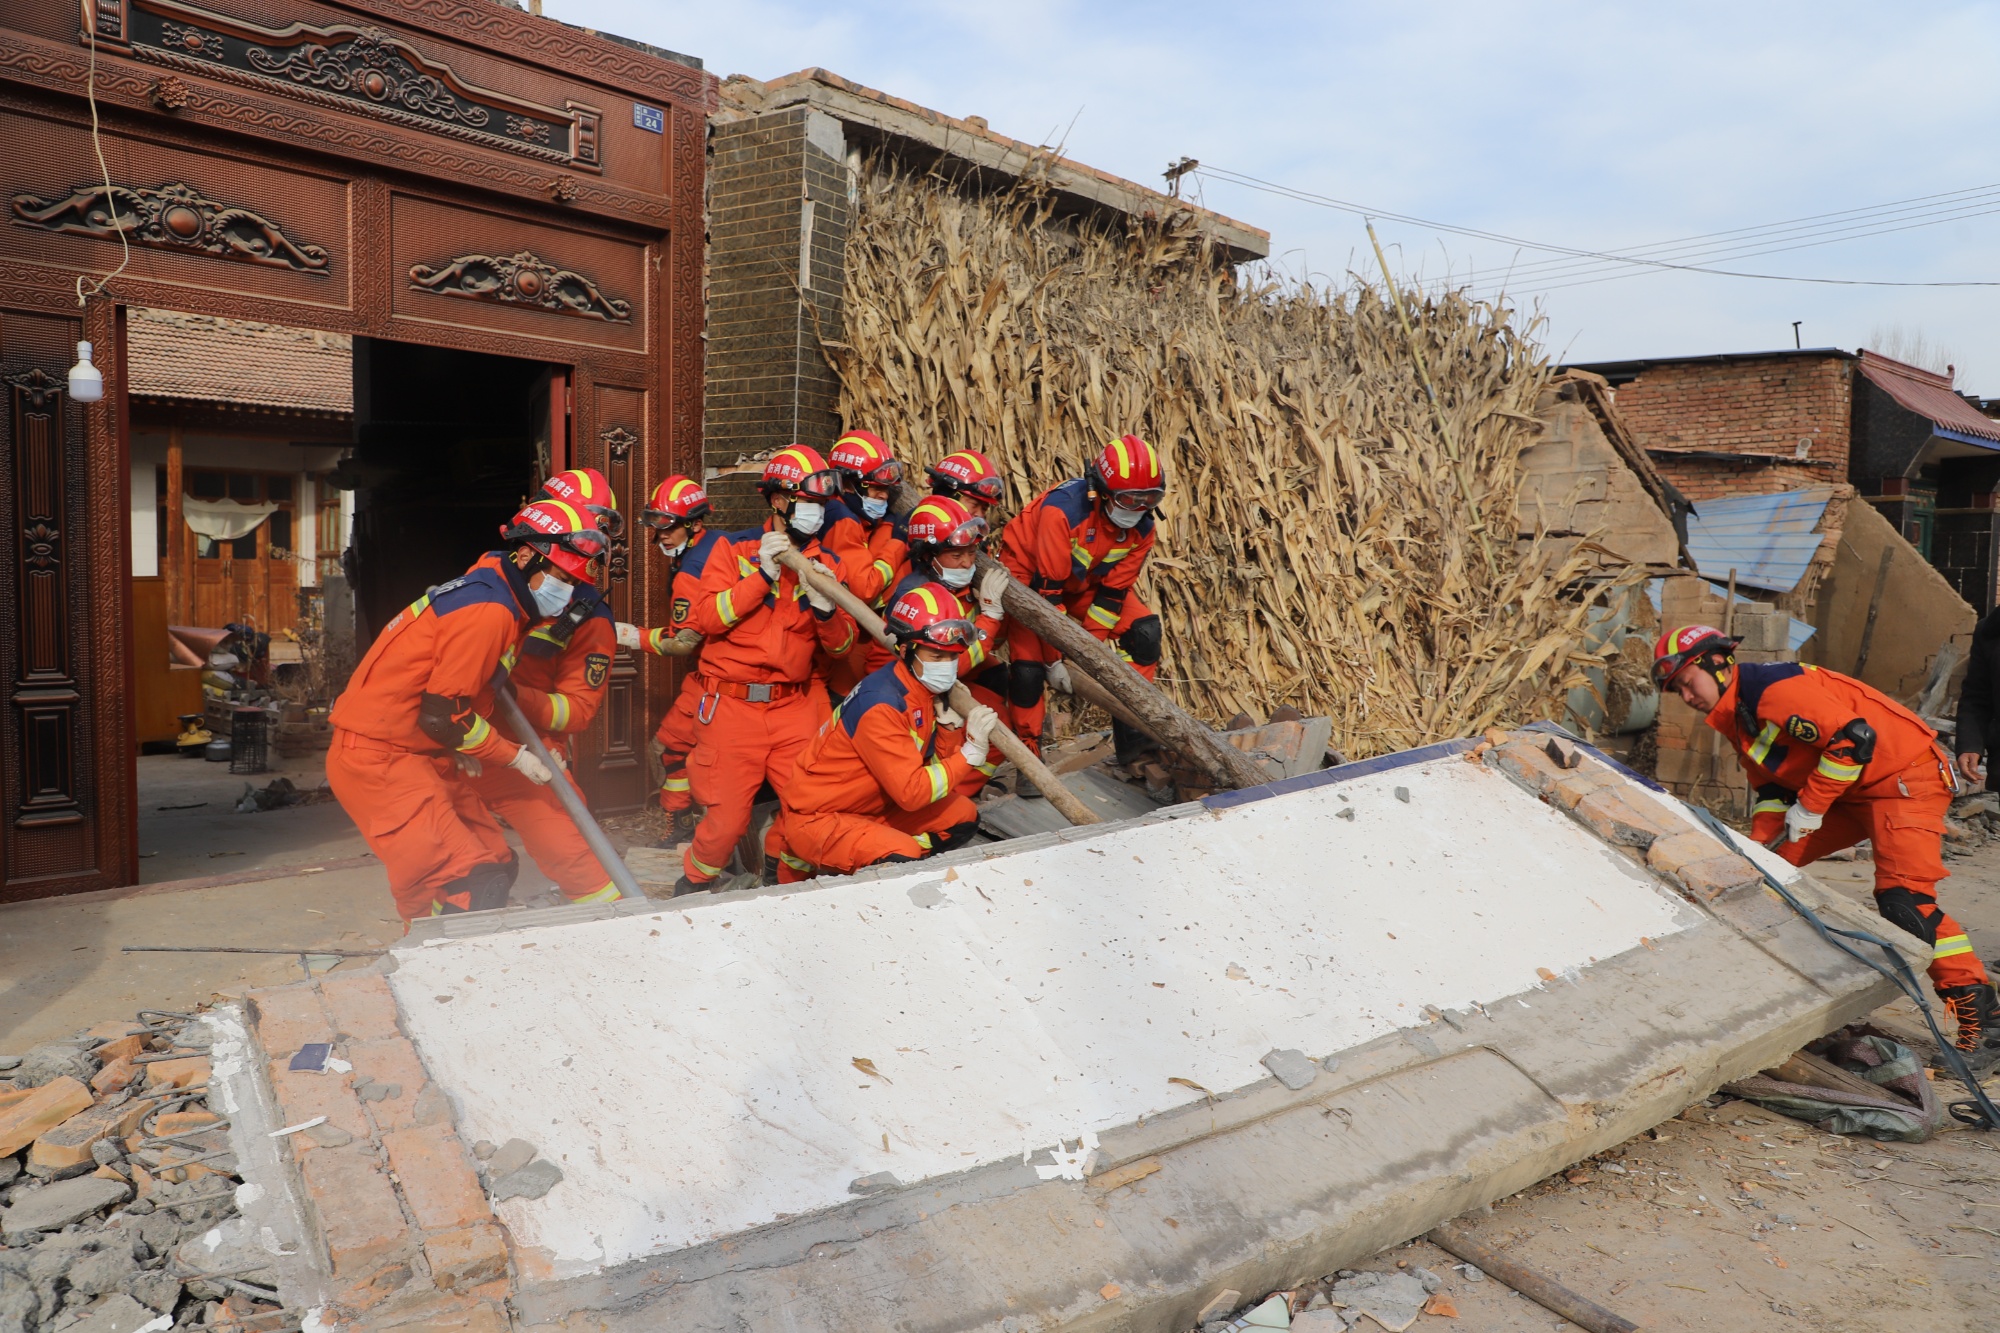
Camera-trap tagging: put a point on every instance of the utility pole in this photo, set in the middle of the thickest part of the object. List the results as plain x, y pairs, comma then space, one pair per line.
1174, 172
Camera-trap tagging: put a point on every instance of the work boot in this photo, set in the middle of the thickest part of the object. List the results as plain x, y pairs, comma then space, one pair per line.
680, 828
1977, 1013
1130, 745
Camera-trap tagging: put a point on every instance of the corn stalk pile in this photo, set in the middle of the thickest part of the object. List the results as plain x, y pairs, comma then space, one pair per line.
1323, 543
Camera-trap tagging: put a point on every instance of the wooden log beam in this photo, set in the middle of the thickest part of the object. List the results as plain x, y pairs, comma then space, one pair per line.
1025, 761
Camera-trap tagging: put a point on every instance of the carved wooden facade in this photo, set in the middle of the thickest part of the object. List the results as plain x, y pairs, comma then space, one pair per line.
449, 172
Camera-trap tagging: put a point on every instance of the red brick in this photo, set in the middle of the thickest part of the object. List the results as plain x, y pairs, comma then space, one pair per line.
436, 1177
358, 1213
392, 1061
1717, 875
302, 1096
1617, 821
1528, 762
1573, 787
287, 1018
176, 1073
362, 1007
462, 1260
1668, 855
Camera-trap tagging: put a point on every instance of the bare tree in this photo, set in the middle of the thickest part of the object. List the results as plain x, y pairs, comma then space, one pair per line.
1912, 347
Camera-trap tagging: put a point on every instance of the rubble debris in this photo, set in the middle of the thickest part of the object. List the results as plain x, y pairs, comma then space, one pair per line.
529, 1182
280, 794
1294, 1069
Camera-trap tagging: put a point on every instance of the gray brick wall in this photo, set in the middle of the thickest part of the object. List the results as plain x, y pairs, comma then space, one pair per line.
777, 191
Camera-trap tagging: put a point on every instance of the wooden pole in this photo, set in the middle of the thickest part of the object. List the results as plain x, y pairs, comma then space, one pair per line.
180, 611
1546, 1292
1153, 712
1024, 760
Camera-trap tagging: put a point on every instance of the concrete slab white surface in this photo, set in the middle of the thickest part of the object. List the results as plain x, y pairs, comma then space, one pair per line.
698, 1072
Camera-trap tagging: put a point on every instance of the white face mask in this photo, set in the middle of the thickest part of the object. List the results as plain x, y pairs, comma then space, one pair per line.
672, 552
938, 677
552, 595
806, 516
1123, 517
955, 578
872, 508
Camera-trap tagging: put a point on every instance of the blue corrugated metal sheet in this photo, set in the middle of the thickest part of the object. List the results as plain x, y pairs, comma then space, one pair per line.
1767, 539
1796, 635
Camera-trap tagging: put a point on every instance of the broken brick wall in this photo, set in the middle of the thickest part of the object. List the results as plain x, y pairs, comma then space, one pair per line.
1695, 763
1755, 405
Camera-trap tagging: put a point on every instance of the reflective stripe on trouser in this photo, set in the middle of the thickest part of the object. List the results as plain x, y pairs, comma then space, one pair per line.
741, 747
841, 844
422, 820
678, 733
1906, 837
1023, 645
547, 831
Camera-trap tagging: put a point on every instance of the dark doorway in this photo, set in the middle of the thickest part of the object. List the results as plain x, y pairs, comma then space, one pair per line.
448, 444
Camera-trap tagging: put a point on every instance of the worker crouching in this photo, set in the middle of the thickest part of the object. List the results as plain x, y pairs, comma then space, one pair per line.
891, 776
1836, 762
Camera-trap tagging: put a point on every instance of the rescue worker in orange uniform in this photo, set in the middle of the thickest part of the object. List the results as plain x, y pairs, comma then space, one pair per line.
559, 680
677, 514
1081, 545
761, 633
1834, 762
891, 775
970, 478
869, 478
412, 710
944, 542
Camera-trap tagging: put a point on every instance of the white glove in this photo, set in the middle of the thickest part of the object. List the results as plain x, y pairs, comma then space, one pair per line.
947, 717
768, 547
1800, 821
469, 766
978, 728
631, 636
531, 768
1058, 675
819, 600
992, 584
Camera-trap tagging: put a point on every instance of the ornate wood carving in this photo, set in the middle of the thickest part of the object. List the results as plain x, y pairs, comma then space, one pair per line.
171, 217
45, 696
521, 279
170, 93
618, 443
356, 68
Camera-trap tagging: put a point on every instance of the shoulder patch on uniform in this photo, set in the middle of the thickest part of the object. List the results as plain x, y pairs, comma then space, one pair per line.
1802, 729
595, 666
681, 608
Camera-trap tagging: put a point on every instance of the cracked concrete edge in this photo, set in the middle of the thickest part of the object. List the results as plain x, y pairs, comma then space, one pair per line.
275, 1197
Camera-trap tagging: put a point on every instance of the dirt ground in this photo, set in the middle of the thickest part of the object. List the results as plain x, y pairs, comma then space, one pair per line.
1731, 1218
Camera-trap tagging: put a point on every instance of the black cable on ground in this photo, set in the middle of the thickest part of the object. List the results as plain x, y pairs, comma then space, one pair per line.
1979, 1112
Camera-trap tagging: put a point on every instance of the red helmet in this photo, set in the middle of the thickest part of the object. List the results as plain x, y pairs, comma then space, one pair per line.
1129, 473
1678, 647
941, 523
799, 470
568, 537
932, 616
675, 501
864, 460
585, 488
970, 472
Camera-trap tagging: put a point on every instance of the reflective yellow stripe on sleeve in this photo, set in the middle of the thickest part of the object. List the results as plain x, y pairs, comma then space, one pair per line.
558, 712
1770, 807
1761, 747
656, 642
1108, 619
476, 734
1829, 767
675, 784
1950, 946
725, 610
1081, 555
1115, 554
940, 780
888, 570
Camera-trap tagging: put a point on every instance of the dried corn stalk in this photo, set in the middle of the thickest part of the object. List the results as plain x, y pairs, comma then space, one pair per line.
1322, 544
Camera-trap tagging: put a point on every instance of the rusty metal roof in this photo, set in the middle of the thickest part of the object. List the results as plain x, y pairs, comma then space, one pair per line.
200, 358
1929, 395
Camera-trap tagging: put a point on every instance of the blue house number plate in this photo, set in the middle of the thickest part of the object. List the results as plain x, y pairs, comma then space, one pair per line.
649, 118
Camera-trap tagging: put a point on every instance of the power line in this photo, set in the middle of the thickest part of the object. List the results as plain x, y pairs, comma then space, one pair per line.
1626, 263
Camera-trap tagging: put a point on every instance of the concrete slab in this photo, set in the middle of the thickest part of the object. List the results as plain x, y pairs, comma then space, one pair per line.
883, 1101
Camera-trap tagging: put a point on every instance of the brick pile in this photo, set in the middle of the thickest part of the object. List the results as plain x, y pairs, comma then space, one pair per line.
411, 1241
1749, 405
115, 1173
1594, 794
1694, 762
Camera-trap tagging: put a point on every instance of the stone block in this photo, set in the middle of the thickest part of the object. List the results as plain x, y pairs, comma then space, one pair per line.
359, 1216
436, 1177
53, 1207
361, 1006
288, 1017
470, 1257
34, 1115
393, 1062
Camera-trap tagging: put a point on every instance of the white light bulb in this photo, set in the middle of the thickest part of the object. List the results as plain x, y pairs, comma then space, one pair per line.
86, 382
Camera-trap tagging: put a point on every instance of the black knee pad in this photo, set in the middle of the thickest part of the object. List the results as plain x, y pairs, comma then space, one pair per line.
994, 678
896, 859
513, 869
487, 885
1025, 681
954, 837
1903, 908
1142, 642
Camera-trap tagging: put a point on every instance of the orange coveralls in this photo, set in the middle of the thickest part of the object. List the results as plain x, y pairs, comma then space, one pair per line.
677, 733
874, 556
882, 781
1845, 750
411, 703
755, 709
1063, 547
560, 687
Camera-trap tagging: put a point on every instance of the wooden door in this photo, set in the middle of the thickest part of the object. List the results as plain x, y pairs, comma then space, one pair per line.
252, 579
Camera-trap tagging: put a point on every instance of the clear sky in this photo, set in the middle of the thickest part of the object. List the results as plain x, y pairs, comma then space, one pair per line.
1598, 127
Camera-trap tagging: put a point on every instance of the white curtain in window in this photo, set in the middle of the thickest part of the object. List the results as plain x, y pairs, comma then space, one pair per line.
224, 520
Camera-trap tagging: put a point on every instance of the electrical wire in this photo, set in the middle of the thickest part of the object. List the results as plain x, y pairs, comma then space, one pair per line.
1860, 222
110, 196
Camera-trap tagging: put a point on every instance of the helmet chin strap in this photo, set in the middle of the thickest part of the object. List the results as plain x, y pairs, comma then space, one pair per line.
1719, 666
